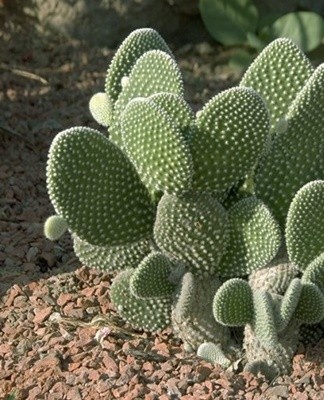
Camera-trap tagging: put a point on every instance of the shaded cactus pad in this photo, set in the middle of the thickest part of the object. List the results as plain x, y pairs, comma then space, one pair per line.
192, 229
148, 314
114, 212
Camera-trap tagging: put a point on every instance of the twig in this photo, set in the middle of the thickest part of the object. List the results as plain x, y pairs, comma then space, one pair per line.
24, 74
98, 321
11, 132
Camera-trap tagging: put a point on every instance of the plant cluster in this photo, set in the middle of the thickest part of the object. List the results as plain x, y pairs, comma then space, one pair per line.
211, 222
242, 22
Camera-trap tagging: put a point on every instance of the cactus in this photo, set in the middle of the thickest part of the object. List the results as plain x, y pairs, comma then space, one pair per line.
112, 258
191, 317
271, 322
208, 222
278, 74
304, 228
233, 122
254, 238
192, 229
76, 158
150, 314
54, 227
277, 180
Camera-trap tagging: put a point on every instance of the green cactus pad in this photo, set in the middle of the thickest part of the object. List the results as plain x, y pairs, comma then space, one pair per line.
101, 108
147, 314
233, 303
295, 157
178, 110
305, 228
264, 322
54, 227
278, 74
192, 318
156, 147
311, 334
94, 187
314, 273
213, 353
134, 46
254, 238
192, 229
289, 302
151, 278
154, 72
111, 258
310, 308
231, 132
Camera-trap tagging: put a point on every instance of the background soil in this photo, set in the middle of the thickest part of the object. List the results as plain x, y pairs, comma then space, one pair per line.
51, 307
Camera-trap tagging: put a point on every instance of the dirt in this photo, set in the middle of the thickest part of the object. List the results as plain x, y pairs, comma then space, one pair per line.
59, 335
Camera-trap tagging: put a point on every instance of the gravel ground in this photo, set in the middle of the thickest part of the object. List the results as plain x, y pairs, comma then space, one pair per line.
51, 307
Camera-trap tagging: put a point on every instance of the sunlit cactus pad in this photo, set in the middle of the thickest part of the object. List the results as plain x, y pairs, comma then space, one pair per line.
210, 222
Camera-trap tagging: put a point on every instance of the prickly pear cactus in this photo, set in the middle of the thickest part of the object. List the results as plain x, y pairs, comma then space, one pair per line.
208, 222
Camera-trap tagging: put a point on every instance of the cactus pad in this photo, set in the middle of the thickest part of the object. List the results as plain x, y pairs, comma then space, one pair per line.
154, 72
231, 132
305, 228
310, 308
254, 238
114, 212
151, 278
111, 258
278, 178
156, 147
278, 74
213, 353
135, 45
54, 227
101, 108
314, 273
192, 229
147, 314
233, 303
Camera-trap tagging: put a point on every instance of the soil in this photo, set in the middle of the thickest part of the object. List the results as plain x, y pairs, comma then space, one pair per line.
59, 335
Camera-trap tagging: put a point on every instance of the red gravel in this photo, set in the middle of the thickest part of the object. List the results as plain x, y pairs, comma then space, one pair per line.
49, 302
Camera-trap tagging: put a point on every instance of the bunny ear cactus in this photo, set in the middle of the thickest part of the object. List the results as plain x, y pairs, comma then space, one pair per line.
133, 47
111, 258
77, 157
172, 203
192, 229
192, 319
150, 314
268, 320
231, 132
254, 238
278, 74
304, 228
276, 180
154, 72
